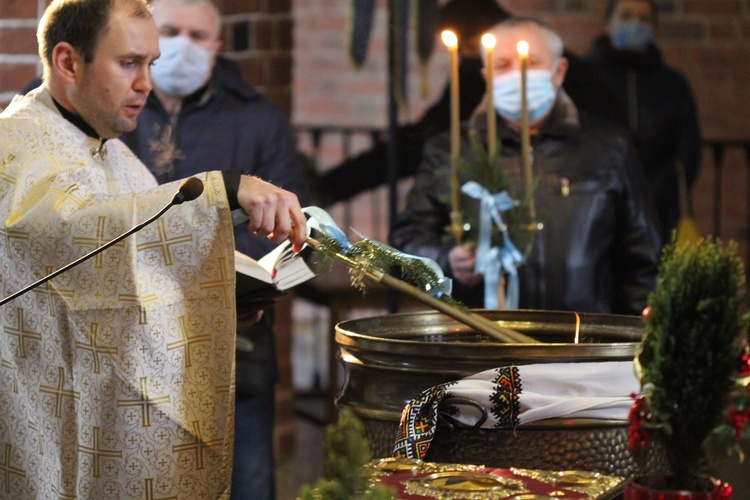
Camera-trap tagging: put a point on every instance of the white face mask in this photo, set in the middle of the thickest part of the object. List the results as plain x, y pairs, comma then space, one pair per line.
182, 67
540, 94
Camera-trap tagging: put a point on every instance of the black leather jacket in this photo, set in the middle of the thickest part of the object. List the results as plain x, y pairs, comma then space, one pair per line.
599, 248
662, 118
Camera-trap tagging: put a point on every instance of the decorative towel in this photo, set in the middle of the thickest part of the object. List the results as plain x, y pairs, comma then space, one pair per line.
517, 395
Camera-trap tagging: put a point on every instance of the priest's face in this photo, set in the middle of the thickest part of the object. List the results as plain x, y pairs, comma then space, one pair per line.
112, 89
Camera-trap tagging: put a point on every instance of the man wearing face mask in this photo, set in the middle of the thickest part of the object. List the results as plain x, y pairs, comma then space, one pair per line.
657, 101
598, 248
202, 113
468, 19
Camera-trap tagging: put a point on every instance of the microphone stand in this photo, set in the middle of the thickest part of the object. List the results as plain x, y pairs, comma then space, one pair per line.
179, 197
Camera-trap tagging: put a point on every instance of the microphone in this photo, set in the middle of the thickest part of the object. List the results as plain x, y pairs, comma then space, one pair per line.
189, 190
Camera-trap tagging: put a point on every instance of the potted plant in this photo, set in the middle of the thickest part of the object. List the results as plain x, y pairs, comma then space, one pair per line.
693, 367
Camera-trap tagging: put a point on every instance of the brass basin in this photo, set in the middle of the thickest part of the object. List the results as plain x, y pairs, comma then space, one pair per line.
389, 360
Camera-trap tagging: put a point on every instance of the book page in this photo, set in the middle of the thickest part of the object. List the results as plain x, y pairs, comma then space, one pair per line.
280, 267
286, 268
251, 267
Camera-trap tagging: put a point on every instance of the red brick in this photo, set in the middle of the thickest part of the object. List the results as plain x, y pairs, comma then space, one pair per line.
285, 34
18, 41
666, 7
722, 31
252, 70
328, 23
230, 7
576, 5
18, 9
282, 97
713, 7
681, 30
280, 71
262, 34
14, 77
279, 6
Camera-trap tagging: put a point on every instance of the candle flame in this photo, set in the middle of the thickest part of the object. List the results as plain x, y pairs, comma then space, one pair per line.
523, 48
488, 40
449, 39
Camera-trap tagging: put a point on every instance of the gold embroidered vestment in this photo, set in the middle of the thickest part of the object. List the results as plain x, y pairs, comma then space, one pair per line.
116, 378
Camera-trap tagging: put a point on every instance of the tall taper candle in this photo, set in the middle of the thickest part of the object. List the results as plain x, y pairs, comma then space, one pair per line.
488, 41
523, 55
451, 41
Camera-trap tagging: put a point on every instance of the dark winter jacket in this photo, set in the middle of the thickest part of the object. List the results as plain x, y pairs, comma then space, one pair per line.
661, 112
227, 125
599, 248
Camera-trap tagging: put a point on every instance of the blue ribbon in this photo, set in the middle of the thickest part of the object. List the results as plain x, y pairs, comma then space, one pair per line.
321, 221
491, 259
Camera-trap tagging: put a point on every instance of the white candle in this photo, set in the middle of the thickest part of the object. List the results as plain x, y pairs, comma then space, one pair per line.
523, 55
451, 41
488, 41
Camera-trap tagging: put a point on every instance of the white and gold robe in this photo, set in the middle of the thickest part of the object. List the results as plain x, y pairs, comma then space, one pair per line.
117, 377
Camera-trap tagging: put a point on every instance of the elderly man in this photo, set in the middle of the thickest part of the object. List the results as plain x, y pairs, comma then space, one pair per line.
195, 91
598, 249
112, 383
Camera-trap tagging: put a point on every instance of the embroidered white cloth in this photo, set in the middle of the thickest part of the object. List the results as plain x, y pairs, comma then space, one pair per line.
517, 395
561, 390
117, 377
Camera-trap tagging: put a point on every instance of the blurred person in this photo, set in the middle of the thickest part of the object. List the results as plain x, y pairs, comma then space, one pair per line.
112, 383
598, 249
202, 113
656, 100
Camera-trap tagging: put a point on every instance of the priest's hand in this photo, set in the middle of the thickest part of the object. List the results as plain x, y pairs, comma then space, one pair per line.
273, 212
462, 260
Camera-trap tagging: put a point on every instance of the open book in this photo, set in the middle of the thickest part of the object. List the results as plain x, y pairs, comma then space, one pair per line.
269, 277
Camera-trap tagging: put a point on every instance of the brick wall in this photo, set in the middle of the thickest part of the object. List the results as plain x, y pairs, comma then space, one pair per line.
708, 40
257, 34
18, 59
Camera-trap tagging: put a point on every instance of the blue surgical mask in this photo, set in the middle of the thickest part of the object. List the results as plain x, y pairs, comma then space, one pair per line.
632, 36
182, 68
540, 94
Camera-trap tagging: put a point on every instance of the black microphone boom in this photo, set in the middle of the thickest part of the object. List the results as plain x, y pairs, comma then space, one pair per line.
189, 190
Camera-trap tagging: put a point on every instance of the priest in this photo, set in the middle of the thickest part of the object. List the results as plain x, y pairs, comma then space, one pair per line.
116, 377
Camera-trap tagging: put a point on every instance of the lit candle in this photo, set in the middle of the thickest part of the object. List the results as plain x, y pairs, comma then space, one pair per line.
488, 41
523, 55
451, 41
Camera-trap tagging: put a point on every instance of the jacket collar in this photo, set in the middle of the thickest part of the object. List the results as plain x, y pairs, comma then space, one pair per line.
226, 77
602, 52
562, 121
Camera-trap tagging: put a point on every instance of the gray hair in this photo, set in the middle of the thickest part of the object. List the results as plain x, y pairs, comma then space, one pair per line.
554, 41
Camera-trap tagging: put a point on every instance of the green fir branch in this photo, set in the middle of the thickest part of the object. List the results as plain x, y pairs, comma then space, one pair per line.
345, 475
373, 256
488, 172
